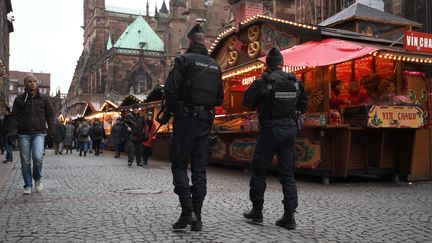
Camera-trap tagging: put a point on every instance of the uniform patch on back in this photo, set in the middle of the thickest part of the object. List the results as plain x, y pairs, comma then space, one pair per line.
285, 95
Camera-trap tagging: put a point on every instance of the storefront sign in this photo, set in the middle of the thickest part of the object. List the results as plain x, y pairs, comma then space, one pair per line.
248, 80
395, 117
418, 41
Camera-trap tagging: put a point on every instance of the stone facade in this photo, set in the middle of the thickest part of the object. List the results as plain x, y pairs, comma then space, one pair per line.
6, 27
103, 73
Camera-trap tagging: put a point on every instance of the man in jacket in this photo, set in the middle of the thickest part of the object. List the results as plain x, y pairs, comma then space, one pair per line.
97, 133
193, 88
136, 128
30, 113
278, 97
83, 132
117, 136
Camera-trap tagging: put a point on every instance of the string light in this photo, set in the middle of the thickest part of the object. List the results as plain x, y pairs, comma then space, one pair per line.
293, 68
394, 56
242, 71
231, 30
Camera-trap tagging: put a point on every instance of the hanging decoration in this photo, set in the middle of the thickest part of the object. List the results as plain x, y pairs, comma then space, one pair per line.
254, 33
254, 49
233, 58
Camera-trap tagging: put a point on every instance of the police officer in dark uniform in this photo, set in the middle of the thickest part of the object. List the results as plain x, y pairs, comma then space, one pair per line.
278, 98
192, 90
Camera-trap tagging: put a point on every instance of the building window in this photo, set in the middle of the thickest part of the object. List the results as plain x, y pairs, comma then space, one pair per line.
139, 83
20, 89
43, 90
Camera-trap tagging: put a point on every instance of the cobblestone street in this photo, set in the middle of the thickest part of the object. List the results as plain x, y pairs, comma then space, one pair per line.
100, 199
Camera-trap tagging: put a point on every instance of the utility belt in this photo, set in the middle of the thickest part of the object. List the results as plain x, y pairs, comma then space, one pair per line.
199, 112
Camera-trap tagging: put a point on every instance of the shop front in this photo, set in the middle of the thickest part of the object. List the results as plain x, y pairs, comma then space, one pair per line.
369, 104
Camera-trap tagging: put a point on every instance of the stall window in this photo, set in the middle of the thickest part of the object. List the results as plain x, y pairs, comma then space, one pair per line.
343, 73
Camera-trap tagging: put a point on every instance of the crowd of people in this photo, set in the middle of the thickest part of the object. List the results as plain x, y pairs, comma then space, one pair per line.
133, 134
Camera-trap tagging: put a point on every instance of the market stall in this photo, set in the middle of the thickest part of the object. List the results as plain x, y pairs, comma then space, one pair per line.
381, 127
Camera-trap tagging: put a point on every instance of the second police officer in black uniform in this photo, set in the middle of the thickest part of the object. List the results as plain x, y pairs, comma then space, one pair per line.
192, 90
278, 98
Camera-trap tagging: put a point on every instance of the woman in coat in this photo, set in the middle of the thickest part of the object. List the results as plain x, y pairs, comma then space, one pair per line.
69, 137
151, 131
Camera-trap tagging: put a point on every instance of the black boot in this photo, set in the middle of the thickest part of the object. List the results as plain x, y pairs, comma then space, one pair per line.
186, 218
287, 221
198, 226
255, 216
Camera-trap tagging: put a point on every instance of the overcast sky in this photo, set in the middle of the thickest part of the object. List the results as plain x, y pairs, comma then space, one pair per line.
48, 36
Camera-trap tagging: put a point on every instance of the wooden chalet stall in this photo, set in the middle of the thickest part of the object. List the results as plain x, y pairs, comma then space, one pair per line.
383, 135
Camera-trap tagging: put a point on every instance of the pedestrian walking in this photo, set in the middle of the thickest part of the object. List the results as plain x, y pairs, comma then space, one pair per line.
59, 136
136, 127
2, 135
31, 112
9, 146
151, 131
278, 97
97, 133
192, 89
69, 137
117, 136
83, 132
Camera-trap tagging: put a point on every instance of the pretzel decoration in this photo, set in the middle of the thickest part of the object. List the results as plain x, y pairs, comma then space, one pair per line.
233, 58
254, 49
231, 42
253, 33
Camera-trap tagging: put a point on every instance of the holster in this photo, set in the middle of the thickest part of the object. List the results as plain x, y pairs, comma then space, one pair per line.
199, 112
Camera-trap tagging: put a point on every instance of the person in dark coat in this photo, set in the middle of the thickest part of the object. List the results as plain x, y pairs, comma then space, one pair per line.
136, 127
2, 136
59, 136
83, 132
9, 147
69, 137
97, 133
278, 98
117, 136
193, 88
31, 113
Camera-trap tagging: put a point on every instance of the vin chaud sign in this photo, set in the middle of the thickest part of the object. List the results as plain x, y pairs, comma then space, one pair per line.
418, 41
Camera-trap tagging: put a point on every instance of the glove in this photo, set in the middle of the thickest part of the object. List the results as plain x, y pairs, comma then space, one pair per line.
164, 119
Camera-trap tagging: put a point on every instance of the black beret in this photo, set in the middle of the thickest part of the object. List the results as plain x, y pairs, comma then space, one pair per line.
196, 29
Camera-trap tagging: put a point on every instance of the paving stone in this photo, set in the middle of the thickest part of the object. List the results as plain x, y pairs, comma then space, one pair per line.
101, 199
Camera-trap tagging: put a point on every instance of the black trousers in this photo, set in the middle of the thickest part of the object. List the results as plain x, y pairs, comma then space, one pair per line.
278, 140
134, 150
96, 146
190, 140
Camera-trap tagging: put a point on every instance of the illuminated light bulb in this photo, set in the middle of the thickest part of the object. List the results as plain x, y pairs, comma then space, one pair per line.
380, 56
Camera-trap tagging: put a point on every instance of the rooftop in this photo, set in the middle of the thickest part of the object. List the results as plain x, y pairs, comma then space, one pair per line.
360, 11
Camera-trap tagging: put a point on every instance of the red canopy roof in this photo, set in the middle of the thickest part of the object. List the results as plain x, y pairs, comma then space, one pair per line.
325, 52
